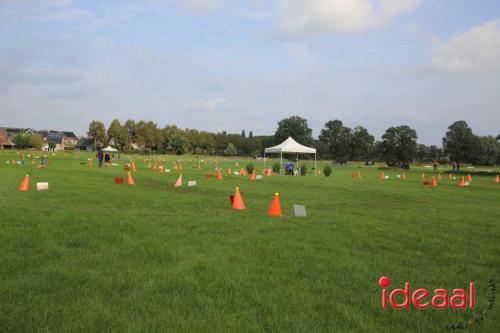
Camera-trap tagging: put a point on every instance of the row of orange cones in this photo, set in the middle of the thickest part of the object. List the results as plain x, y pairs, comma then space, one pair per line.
274, 210
218, 174
237, 200
178, 183
450, 177
24, 186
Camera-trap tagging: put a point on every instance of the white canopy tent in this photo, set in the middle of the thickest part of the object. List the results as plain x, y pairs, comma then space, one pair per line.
290, 146
110, 149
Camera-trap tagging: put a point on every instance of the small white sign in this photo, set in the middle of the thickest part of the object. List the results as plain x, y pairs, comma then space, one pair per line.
299, 210
42, 186
191, 183
236, 173
258, 177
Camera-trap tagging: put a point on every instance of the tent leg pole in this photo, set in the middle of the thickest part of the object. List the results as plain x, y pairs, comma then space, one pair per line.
315, 165
281, 162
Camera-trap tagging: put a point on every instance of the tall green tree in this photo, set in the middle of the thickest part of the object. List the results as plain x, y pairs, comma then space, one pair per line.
36, 141
435, 153
487, 150
230, 150
148, 134
130, 128
458, 142
296, 127
118, 134
337, 139
174, 139
22, 140
423, 153
97, 131
361, 143
399, 143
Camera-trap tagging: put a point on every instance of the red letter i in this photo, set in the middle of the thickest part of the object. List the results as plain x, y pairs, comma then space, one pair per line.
472, 286
384, 282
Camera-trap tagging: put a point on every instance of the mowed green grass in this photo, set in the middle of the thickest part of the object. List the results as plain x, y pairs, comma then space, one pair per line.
92, 256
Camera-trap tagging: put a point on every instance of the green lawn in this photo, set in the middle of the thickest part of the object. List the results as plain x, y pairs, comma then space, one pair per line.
92, 256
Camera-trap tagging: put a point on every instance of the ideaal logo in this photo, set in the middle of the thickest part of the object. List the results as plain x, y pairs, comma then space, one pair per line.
421, 298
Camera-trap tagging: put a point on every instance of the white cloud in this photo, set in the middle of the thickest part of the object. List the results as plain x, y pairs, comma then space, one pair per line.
411, 28
301, 18
210, 104
474, 51
199, 7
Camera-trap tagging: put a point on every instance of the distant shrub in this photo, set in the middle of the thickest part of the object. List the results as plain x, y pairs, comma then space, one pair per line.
276, 167
250, 168
327, 170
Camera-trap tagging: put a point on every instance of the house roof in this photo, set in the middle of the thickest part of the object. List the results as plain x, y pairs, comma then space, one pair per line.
85, 142
55, 137
70, 135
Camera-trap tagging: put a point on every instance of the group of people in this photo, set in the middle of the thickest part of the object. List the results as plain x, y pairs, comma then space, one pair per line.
291, 171
101, 155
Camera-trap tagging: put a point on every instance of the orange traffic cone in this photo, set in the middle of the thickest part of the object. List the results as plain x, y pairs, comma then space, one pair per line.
25, 184
275, 209
178, 183
461, 183
238, 200
32, 162
423, 175
243, 172
134, 169
497, 180
469, 178
161, 169
381, 176
450, 176
440, 177
434, 182
130, 180
359, 175
253, 176
229, 171
218, 175
403, 175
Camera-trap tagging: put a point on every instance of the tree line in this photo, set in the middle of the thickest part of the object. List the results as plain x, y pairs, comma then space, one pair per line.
335, 141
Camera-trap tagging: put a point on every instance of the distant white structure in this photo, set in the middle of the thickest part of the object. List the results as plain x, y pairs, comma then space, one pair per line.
290, 146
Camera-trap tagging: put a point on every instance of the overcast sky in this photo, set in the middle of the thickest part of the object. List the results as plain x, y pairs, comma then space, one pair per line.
231, 65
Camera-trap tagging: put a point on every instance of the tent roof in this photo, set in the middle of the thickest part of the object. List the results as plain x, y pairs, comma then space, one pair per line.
290, 146
109, 148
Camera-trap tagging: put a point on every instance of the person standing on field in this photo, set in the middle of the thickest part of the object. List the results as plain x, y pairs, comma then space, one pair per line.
100, 156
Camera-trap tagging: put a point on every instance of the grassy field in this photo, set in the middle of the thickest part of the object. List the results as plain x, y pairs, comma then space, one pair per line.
92, 256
